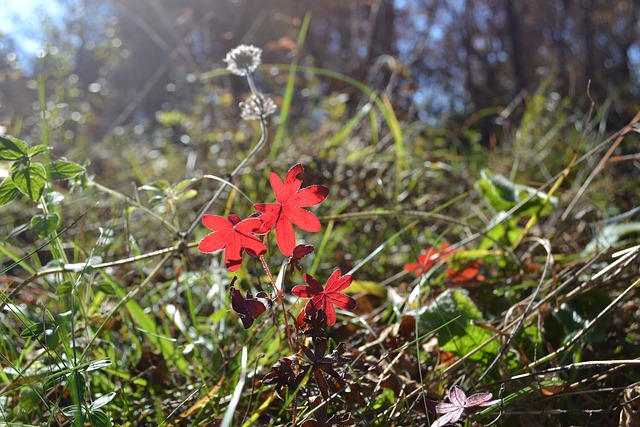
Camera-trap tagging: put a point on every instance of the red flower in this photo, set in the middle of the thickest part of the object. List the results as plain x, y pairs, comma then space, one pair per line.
429, 258
233, 234
324, 299
288, 209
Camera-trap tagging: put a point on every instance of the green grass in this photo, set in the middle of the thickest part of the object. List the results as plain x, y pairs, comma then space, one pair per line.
114, 314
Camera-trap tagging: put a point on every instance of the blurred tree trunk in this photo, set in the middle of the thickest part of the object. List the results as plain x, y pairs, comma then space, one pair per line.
517, 50
382, 34
587, 33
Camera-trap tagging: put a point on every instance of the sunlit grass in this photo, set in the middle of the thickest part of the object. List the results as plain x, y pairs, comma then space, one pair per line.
120, 303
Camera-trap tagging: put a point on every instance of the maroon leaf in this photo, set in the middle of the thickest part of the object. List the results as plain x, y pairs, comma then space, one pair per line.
299, 252
248, 308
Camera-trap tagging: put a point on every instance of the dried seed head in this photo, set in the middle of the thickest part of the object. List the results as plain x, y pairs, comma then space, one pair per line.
243, 59
257, 107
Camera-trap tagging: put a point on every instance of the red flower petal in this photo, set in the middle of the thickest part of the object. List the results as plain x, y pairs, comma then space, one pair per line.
215, 222
329, 311
337, 283
213, 242
345, 302
303, 219
286, 237
309, 196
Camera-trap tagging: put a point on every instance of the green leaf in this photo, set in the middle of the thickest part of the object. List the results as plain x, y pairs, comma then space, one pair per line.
502, 195
30, 180
183, 184
45, 224
34, 330
97, 418
8, 191
73, 411
12, 148
98, 364
450, 315
62, 169
160, 185
474, 336
38, 149
102, 400
576, 314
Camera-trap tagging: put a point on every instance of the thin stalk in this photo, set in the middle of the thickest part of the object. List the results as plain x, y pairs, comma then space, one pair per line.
280, 296
263, 139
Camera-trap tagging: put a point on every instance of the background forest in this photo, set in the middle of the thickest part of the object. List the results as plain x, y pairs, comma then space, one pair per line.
481, 159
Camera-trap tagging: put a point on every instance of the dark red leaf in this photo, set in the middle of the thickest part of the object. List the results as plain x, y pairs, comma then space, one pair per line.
299, 252
325, 298
248, 308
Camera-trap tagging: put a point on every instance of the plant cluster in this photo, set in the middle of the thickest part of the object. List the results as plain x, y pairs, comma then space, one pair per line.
361, 328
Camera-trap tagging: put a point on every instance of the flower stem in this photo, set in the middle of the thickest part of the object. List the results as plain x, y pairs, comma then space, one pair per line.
263, 139
280, 296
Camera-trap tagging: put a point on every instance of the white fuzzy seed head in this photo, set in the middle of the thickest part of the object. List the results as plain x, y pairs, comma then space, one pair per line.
243, 59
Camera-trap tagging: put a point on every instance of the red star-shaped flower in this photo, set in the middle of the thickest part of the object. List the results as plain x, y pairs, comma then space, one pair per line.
325, 298
288, 208
233, 234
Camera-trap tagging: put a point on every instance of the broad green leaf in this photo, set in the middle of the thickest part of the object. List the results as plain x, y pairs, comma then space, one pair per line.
64, 288
12, 148
62, 169
503, 194
450, 315
45, 224
183, 184
38, 149
105, 287
8, 191
474, 336
30, 180
35, 329
189, 194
